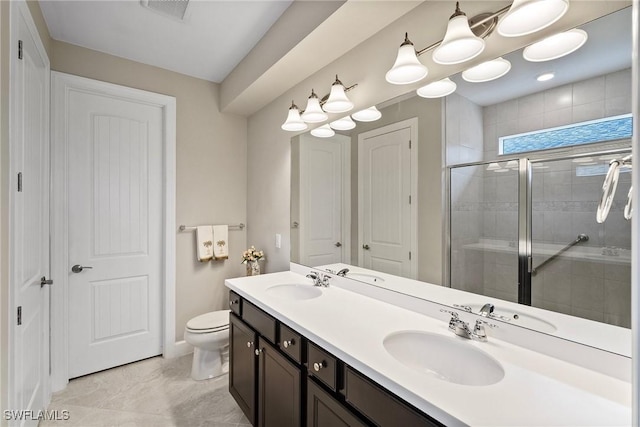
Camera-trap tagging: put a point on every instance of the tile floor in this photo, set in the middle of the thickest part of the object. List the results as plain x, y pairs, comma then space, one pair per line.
154, 392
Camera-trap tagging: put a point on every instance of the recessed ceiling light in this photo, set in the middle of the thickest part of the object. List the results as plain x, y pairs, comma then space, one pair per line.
556, 46
487, 71
544, 77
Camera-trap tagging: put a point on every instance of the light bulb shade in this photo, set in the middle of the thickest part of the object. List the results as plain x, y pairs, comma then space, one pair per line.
344, 123
556, 46
313, 113
459, 43
437, 89
487, 71
323, 131
370, 114
493, 166
528, 16
338, 101
294, 123
407, 69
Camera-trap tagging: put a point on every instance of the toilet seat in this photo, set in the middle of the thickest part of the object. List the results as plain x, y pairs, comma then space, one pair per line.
214, 321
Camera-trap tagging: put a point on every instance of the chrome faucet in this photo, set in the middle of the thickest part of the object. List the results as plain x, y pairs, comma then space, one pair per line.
343, 272
461, 328
319, 279
487, 309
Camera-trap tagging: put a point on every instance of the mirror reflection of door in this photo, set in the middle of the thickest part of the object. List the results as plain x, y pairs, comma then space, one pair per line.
323, 227
385, 199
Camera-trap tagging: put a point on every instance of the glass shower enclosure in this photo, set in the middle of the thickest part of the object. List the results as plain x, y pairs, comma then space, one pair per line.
525, 230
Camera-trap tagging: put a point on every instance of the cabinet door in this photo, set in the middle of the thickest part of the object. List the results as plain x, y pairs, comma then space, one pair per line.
279, 389
243, 366
325, 411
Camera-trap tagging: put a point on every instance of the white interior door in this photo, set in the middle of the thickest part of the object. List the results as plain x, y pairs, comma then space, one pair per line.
321, 200
115, 230
29, 212
385, 204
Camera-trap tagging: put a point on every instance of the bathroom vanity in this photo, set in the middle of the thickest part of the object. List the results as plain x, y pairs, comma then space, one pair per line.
324, 356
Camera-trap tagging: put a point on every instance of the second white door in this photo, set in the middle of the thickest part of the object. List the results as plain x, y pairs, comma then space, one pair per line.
385, 199
115, 229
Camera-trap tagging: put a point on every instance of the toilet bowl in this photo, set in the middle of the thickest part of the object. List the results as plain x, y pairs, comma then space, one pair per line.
209, 335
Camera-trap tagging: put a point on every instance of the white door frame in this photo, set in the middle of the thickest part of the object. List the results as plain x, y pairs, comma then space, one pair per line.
18, 8
411, 123
62, 85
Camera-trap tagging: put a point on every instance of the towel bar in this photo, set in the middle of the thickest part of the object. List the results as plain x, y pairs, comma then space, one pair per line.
240, 226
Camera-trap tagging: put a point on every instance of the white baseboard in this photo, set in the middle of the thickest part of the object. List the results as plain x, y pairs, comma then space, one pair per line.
177, 349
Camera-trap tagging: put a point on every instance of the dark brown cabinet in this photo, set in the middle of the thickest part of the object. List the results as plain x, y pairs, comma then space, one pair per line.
242, 366
279, 389
280, 379
323, 410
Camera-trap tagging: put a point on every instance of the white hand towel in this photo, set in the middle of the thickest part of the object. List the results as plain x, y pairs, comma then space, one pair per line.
204, 242
220, 241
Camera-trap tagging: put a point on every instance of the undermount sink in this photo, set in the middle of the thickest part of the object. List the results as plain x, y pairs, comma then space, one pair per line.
445, 358
294, 291
520, 318
363, 277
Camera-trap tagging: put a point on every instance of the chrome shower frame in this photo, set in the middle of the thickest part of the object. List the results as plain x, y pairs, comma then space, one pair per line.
525, 205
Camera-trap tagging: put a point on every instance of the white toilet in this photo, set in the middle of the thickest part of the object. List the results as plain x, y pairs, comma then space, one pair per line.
209, 335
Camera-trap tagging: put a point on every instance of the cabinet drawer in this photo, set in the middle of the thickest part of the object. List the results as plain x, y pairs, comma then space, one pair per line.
379, 405
323, 366
290, 343
235, 303
259, 320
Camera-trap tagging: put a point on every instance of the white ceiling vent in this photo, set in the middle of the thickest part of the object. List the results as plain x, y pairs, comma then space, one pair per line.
176, 9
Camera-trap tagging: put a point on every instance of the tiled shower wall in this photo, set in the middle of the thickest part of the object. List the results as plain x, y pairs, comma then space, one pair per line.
484, 203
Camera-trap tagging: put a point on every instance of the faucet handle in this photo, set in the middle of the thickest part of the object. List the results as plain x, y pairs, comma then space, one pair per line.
482, 322
453, 314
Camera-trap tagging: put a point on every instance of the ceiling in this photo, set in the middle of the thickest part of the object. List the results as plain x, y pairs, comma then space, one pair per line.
208, 44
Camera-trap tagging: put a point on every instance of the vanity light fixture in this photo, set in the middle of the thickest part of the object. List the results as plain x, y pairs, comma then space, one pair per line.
487, 71
344, 123
528, 16
323, 131
407, 69
460, 44
338, 101
294, 122
545, 77
512, 164
556, 46
493, 166
370, 114
313, 113
437, 89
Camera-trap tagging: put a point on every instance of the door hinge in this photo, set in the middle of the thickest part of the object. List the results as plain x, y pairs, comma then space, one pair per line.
19, 315
19, 49
529, 264
409, 255
19, 182
409, 144
409, 199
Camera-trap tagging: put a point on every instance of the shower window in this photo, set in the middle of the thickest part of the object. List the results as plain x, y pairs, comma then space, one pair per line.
593, 131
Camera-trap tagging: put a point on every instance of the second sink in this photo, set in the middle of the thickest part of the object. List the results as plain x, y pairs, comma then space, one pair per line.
446, 358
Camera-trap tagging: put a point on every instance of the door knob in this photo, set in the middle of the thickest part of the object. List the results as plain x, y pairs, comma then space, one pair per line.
45, 281
338, 244
366, 247
78, 268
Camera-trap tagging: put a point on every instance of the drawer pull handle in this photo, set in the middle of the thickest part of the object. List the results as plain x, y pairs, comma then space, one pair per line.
249, 344
289, 343
318, 366
258, 351
233, 302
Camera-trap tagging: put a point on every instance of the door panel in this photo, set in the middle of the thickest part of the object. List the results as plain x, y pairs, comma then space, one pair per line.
242, 366
29, 216
386, 214
115, 215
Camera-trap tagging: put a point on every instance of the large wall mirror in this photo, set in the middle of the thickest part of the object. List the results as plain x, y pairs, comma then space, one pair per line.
482, 190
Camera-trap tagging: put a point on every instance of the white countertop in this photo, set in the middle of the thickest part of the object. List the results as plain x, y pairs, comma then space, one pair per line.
537, 390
